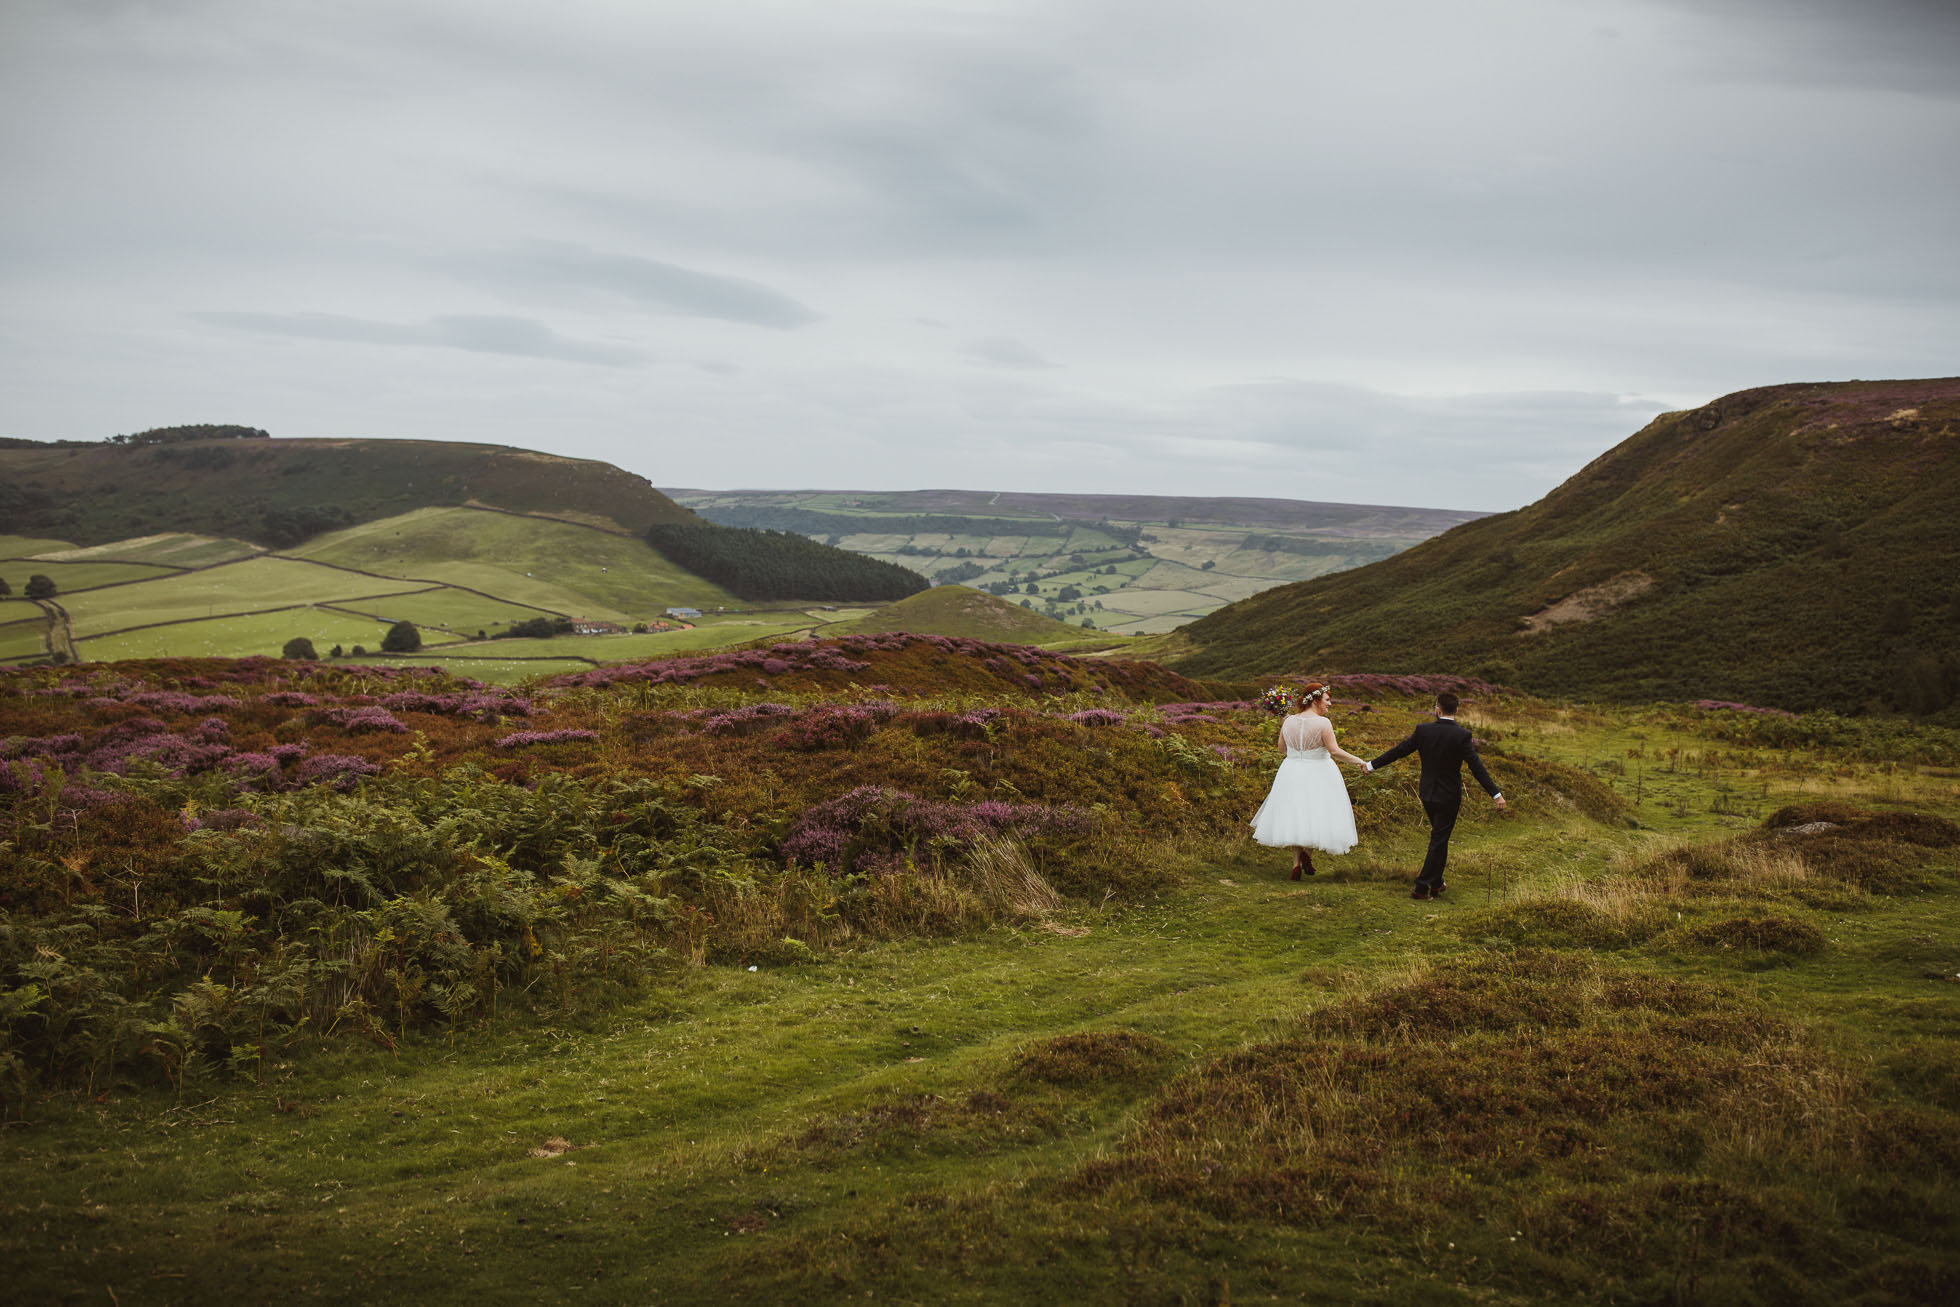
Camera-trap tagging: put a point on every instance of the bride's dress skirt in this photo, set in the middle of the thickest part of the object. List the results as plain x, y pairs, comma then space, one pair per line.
1307, 807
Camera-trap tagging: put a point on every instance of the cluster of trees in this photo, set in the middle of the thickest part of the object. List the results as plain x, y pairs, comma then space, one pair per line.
781, 565
537, 628
957, 573
401, 638
38, 587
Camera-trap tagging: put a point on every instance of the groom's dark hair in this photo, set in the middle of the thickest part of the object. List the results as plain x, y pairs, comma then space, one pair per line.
1446, 704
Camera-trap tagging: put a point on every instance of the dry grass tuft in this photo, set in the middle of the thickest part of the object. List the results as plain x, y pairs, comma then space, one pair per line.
1005, 876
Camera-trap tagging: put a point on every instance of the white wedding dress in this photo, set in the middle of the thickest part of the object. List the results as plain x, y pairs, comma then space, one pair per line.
1308, 807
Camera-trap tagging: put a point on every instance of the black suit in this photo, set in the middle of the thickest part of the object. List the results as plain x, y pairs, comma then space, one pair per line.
1444, 747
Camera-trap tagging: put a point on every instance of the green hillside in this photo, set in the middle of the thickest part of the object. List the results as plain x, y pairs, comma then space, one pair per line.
278, 492
560, 566
451, 572
958, 610
1792, 546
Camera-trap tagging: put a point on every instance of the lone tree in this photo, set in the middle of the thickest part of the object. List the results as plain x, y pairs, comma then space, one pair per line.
402, 637
40, 587
5, 589
299, 647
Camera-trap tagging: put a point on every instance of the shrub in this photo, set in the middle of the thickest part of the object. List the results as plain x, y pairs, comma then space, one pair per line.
401, 638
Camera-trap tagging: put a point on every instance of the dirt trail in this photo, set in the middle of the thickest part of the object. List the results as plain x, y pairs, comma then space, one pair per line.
61, 636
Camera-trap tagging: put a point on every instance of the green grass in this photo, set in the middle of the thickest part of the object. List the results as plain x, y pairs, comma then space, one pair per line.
460, 611
172, 549
72, 577
1234, 1088
23, 630
24, 546
213, 592
561, 567
241, 637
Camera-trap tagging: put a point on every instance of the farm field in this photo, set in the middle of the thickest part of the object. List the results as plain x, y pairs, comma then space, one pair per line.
172, 549
253, 583
1126, 563
1685, 1015
251, 635
69, 577
535, 561
26, 546
22, 628
443, 609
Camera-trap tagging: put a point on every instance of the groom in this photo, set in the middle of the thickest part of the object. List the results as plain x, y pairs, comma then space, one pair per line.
1444, 747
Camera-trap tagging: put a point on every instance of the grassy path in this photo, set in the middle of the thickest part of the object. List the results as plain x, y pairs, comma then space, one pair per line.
854, 1128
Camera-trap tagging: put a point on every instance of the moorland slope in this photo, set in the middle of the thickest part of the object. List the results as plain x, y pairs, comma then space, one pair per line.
278, 492
1788, 546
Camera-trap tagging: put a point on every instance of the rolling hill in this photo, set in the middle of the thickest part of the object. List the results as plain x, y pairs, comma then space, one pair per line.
278, 492
974, 615
222, 541
1792, 546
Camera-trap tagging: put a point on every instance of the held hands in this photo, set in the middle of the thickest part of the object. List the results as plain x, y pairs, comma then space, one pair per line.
1367, 767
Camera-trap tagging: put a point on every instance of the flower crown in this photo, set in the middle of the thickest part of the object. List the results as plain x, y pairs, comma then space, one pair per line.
1280, 697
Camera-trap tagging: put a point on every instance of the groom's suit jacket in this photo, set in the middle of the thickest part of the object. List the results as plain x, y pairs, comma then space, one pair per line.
1444, 748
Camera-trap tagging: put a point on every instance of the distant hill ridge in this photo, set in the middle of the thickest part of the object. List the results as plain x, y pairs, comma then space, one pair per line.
1792, 546
277, 492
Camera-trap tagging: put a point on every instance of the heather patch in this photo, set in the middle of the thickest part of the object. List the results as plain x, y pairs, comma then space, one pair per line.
876, 823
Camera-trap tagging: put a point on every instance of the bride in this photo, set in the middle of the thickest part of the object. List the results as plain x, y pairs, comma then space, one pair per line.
1308, 806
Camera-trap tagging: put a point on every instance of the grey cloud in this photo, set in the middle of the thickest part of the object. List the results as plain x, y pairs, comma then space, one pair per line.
1006, 352
1905, 46
649, 283
1467, 450
475, 333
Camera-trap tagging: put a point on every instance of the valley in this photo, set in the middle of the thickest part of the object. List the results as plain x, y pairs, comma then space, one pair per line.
1129, 565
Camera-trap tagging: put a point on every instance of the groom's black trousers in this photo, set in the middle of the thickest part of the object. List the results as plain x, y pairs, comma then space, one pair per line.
1442, 820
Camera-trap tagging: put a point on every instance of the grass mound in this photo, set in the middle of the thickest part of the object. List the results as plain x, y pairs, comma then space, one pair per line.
1811, 853
1095, 1057
1923, 829
959, 610
1563, 1124
1770, 937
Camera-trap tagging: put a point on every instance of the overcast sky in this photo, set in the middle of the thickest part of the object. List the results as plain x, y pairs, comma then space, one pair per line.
1426, 252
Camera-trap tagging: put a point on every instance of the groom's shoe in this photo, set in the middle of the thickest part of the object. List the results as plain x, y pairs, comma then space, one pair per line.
1437, 892
1422, 894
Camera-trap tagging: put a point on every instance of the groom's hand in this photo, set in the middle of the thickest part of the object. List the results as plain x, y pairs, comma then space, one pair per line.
1501, 805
